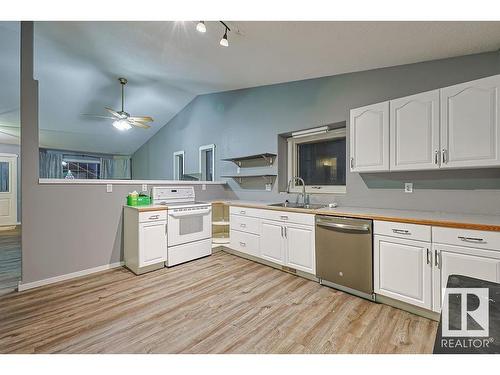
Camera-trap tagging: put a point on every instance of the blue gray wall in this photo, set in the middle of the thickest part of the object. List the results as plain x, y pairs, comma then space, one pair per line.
248, 121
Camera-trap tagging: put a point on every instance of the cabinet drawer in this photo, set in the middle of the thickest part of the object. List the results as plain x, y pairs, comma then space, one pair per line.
243, 211
466, 237
244, 224
152, 216
245, 242
288, 217
403, 230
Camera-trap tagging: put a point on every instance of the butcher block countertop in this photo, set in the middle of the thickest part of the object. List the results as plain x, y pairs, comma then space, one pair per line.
434, 218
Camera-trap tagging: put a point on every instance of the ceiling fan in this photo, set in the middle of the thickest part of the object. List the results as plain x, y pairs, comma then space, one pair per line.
123, 120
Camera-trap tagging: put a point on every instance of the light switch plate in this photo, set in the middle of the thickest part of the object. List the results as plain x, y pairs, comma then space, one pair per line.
204, 187
269, 187
238, 170
109, 188
144, 187
408, 187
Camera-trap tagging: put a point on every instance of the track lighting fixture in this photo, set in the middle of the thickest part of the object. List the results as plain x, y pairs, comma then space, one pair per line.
224, 42
200, 27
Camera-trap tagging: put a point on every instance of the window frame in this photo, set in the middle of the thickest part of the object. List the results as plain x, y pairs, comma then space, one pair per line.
200, 153
293, 142
176, 173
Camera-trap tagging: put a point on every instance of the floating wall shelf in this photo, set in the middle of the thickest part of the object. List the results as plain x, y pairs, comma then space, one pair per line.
267, 157
239, 178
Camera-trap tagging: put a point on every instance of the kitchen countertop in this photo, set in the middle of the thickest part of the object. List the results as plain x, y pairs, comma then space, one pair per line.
148, 207
470, 345
435, 218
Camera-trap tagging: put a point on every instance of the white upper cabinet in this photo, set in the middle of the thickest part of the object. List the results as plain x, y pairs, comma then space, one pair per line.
414, 132
470, 130
369, 138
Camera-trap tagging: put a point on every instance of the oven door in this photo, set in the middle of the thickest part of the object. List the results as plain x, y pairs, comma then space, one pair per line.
188, 225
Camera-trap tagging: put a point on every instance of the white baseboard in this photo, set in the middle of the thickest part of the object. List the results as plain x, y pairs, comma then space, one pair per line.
35, 284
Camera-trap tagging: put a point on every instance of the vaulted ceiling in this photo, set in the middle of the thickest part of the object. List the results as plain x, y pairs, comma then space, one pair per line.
169, 63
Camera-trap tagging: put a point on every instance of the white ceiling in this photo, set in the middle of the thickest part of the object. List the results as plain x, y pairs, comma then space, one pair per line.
169, 63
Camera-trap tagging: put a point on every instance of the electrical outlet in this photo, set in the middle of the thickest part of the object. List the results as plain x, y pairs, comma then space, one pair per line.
204, 187
408, 187
109, 188
144, 187
238, 170
269, 187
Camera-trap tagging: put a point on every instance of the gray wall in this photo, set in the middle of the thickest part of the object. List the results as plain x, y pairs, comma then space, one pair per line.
248, 121
66, 228
15, 149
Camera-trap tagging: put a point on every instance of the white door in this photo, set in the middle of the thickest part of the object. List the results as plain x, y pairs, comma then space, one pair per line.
369, 138
455, 260
470, 130
152, 243
403, 270
414, 132
8, 189
272, 241
300, 249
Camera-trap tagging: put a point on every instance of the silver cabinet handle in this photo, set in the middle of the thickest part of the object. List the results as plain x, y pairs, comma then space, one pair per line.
429, 257
402, 231
436, 157
360, 228
242, 244
471, 239
286, 232
436, 260
243, 212
284, 217
282, 232
154, 217
444, 159
352, 162
243, 225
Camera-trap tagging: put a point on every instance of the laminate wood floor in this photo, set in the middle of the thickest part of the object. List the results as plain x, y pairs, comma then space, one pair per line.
218, 304
10, 260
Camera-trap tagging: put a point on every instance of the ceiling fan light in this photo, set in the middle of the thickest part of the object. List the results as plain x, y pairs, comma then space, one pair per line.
201, 27
122, 125
224, 42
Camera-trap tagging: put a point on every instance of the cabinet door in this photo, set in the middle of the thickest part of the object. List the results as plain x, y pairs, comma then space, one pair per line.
369, 138
272, 241
300, 249
455, 260
152, 243
414, 132
403, 270
470, 131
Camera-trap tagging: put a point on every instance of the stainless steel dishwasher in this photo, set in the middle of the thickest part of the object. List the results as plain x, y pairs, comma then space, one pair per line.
344, 254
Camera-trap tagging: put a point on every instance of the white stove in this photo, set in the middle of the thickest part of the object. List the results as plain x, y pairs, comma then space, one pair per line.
189, 224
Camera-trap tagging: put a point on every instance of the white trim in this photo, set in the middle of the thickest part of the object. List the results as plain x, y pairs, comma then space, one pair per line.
178, 153
51, 280
204, 148
62, 181
308, 132
8, 154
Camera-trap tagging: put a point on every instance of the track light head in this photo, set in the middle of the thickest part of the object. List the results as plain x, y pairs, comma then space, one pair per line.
200, 27
224, 42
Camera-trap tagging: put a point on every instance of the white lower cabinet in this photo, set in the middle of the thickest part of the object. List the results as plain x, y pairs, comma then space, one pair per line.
145, 239
300, 248
403, 270
272, 246
466, 261
283, 238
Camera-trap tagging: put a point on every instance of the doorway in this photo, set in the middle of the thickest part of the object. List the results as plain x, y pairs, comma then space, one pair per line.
10, 230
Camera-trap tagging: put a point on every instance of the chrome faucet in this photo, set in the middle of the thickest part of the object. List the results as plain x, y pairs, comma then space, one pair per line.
305, 197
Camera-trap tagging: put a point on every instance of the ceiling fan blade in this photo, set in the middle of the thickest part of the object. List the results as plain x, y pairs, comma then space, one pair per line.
141, 118
113, 112
98, 116
138, 124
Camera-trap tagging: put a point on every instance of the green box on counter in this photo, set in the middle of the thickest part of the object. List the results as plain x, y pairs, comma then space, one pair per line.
138, 200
